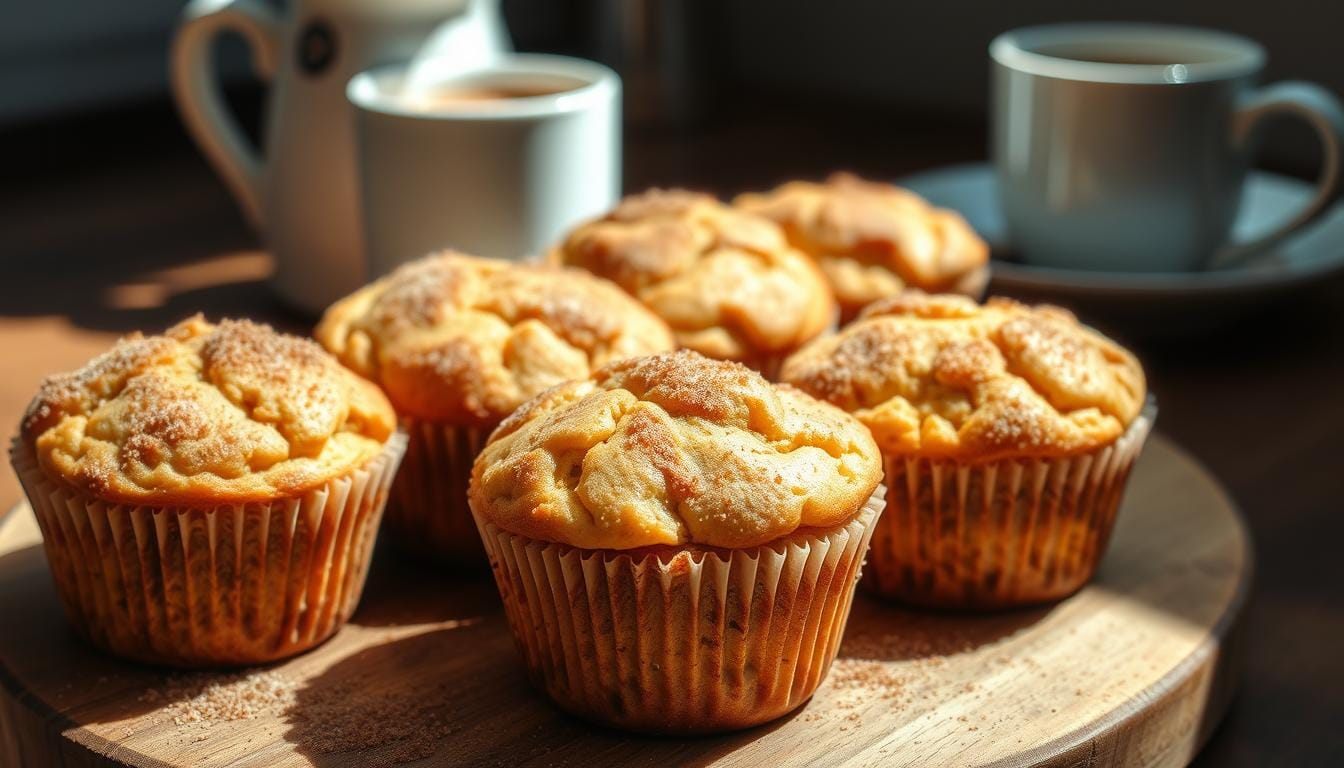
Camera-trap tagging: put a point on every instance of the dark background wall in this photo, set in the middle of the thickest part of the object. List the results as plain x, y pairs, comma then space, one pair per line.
932, 54
63, 56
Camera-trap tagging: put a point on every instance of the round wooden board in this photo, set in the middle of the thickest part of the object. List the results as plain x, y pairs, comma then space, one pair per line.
1135, 670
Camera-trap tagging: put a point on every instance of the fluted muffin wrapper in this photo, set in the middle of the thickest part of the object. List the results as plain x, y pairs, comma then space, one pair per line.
226, 585
999, 534
770, 365
428, 512
972, 284
681, 641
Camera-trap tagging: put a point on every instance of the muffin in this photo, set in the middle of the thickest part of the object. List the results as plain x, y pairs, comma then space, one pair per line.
677, 541
874, 240
458, 343
727, 282
1008, 433
209, 496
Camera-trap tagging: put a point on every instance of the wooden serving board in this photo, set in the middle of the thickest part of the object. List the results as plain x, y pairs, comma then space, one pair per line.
1135, 670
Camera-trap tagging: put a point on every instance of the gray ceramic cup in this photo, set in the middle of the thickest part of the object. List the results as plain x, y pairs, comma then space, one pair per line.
1124, 147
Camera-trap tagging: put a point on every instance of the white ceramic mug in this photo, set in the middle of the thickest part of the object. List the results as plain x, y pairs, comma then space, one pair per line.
502, 177
301, 193
1124, 147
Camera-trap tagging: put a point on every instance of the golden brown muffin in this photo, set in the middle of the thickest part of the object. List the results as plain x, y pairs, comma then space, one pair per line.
458, 343
955, 392
683, 512
873, 240
670, 450
206, 414
727, 282
941, 376
454, 338
211, 495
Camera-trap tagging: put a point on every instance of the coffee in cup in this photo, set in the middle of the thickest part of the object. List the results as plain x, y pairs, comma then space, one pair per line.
449, 97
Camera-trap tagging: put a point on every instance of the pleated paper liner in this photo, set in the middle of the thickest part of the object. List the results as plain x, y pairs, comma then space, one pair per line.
999, 534
698, 640
769, 364
229, 585
428, 513
972, 284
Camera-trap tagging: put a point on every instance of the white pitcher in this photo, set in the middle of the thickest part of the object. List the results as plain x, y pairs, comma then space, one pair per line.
301, 193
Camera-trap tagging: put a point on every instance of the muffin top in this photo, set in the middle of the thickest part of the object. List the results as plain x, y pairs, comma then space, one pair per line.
727, 282
206, 414
673, 449
873, 240
941, 376
464, 340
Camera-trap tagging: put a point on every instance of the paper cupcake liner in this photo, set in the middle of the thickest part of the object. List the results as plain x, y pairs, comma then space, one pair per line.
972, 285
227, 585
999, 534
428, 511
681, 640
769, 365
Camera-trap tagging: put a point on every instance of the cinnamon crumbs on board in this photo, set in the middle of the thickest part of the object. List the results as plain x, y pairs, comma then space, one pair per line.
203, 700
385, 727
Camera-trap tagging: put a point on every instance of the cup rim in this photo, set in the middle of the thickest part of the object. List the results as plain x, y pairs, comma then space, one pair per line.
1016, 50
366, 92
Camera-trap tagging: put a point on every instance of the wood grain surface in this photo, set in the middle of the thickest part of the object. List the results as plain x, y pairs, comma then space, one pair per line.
1132, 671
101, 213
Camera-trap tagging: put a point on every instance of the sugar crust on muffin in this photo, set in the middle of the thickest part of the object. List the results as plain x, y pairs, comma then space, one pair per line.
727, 282
206, 413
942, 376
673, 449
465, 340
873, 240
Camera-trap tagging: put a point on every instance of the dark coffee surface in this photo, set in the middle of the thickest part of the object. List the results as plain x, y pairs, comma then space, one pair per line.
475, 95
1121, 54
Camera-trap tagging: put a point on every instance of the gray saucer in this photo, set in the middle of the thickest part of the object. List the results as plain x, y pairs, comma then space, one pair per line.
1145, 302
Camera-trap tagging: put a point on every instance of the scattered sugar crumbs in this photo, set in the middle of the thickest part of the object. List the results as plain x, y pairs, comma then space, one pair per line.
860, 676
195, 703
392, 727
201, 701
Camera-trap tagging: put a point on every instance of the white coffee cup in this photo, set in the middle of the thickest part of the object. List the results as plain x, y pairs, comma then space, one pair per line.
443, 167
300, 192
1124, 147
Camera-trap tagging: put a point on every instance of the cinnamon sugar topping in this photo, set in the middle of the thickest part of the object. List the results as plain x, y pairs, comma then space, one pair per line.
874, 239
226, 413
727, 282
941, 376
464, 340
673, 449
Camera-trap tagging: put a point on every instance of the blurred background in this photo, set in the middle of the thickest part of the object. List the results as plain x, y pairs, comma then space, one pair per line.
111, 221
683, 62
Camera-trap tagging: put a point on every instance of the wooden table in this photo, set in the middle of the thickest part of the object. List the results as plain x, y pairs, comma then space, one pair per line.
114, 223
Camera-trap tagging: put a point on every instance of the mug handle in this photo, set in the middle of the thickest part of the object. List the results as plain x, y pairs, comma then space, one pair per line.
196, 89
1319, 108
